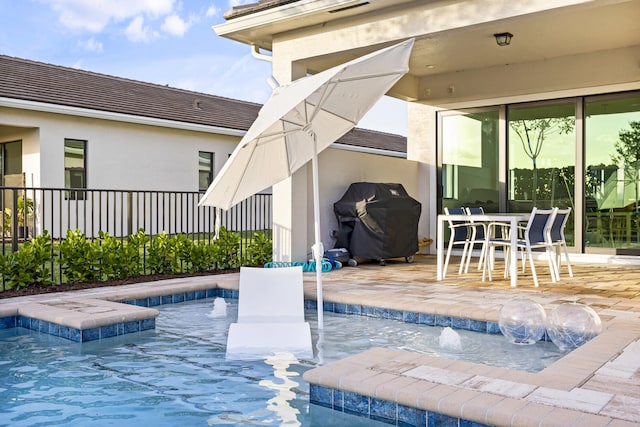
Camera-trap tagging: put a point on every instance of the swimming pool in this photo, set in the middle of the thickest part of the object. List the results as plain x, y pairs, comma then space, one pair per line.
178, 374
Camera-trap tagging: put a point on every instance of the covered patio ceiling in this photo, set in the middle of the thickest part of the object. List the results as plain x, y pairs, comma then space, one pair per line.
451, 36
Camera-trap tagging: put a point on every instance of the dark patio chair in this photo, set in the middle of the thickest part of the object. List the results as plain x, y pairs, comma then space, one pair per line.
556, 239
534, 235
460, 234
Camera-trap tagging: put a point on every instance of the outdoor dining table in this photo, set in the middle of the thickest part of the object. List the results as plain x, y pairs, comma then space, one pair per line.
507, 218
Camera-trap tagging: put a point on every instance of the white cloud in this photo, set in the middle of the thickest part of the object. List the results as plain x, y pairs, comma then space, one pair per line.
136, 31
95, 15
213, 11
90, 45
175, 25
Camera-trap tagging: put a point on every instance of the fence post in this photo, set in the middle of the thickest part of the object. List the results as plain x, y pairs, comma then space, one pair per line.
14, 222
129, 213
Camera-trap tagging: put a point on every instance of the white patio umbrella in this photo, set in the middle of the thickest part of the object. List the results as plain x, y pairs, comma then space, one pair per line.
300, 120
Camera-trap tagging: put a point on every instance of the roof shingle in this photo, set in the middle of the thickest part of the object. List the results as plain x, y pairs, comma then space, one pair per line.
52, 84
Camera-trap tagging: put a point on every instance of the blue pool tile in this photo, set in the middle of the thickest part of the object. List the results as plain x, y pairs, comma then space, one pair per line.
368, 311
460, 323
154, 301
142, 302
443, 321
394, 314
43, 326
427, 319
440, 420
328, 306
311, 304
354, 309
120, 327
410, 317
381, 313
383, 410
478, 326
200, 294
178, 298
411, 417
146, 324
33, 324
130, 327
75, 334
167, 299
65, 332
467, 423
355, 403
108, 331
190, 296
493, 328
8, 322
322, 396
90, 334
54, 329
129, 301
339, 308
211, 293
338, 400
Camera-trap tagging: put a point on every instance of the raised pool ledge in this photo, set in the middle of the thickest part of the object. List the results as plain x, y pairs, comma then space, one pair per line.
85, 319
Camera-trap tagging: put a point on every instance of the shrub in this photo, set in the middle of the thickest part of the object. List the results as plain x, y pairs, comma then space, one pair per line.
80, 258
260, 250
28, 265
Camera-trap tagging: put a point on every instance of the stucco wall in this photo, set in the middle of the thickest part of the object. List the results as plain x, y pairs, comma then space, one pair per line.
120, 155
339, 168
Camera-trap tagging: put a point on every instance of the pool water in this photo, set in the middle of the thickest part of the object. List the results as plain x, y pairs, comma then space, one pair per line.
178, 374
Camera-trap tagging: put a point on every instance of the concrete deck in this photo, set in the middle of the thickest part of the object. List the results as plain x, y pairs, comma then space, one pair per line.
597, 384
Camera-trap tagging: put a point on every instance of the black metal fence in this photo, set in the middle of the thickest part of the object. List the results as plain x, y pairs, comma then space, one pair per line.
29, 211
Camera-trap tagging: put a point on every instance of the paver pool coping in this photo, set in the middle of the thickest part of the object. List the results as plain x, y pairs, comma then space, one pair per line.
596, 384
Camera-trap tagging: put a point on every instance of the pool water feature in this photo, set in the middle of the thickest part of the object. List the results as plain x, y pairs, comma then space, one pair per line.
178, 374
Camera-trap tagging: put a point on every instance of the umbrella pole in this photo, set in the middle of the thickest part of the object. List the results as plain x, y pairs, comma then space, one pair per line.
318, 249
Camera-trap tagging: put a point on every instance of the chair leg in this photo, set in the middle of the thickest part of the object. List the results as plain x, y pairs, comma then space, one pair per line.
446, 260
533, 267
566, 257
553, 265
465, 250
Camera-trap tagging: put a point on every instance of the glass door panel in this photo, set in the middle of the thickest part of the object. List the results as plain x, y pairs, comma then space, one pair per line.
470, 160
612, 174
541, 159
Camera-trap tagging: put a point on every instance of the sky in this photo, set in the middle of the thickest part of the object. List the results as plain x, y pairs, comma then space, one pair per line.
167, 42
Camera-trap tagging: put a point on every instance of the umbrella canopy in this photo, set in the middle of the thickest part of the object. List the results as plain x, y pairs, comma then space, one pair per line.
300, 120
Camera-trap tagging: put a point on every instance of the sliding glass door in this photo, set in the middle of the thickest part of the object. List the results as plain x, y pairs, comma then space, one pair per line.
612, 174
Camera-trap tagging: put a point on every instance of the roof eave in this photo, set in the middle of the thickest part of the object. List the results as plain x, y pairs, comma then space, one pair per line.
120, 117
262, 24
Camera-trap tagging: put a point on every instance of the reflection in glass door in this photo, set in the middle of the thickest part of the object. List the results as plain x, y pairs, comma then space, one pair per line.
612, 175
469, 160
541, 159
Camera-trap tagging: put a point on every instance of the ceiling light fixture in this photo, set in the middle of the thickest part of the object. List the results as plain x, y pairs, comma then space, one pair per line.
503, 39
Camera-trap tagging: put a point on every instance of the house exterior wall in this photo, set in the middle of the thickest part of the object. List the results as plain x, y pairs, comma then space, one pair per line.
339, 168
541, 64
120, 155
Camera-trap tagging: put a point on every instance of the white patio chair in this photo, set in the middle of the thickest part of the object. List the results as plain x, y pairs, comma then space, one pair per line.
270, 315
555, 237
478, 233
459, 236
534, 235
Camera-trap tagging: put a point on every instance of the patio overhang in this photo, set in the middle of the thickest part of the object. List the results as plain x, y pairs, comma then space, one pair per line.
452, 38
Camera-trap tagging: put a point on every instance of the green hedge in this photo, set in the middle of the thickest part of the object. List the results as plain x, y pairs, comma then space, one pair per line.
81, 259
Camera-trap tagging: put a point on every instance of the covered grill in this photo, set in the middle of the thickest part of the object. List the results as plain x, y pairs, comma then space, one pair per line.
378, 221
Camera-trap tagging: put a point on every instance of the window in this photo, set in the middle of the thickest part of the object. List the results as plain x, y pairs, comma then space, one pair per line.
205, 169
470, 160
74, 167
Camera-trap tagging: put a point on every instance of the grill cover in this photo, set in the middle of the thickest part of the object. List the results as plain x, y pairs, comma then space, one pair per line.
377, 221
